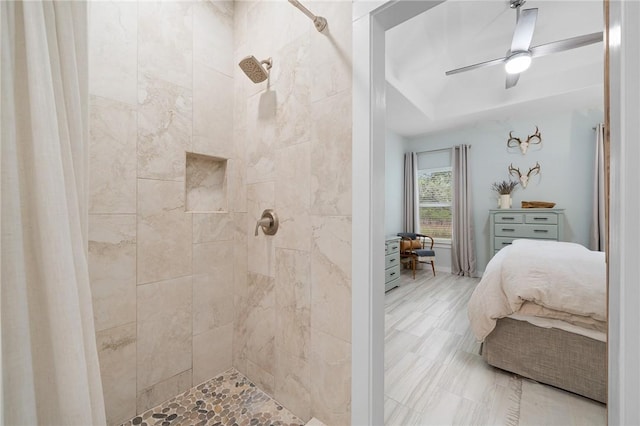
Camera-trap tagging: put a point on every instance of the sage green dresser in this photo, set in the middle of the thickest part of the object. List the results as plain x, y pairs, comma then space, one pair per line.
391, 263
506, 225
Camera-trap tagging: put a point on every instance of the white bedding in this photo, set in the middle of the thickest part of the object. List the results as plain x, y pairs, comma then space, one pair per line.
554, 323
546, 279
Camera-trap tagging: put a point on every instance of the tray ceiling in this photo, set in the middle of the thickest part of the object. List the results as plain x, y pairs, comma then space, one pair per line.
421, 99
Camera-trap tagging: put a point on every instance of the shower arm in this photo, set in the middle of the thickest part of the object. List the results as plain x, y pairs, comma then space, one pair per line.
318, 21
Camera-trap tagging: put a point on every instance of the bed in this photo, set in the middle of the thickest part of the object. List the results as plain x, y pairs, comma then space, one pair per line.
540, 311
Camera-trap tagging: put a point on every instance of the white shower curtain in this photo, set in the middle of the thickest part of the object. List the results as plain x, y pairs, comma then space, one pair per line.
50, 371
598, 239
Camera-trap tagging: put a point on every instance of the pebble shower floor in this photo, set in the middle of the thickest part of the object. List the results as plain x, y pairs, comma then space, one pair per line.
227, 400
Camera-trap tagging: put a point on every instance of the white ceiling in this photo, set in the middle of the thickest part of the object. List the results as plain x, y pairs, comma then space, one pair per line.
421, 99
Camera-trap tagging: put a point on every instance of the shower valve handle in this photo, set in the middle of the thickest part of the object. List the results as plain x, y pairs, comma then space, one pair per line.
268, 222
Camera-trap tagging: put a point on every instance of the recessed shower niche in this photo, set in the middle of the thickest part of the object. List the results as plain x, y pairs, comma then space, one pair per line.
206, 183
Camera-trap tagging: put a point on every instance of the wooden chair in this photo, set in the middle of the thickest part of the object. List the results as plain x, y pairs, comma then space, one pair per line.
413, 249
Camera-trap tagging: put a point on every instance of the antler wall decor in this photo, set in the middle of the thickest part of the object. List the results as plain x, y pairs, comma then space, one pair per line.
534, 139
524, 178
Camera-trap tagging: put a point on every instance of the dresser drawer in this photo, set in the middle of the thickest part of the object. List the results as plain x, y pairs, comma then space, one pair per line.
392, 247
530, 224
526, 231
391, 260
502, 242
544, 218
391, 284
508, 217
392, 273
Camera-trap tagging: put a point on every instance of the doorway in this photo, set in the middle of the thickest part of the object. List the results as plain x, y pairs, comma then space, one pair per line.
370, 23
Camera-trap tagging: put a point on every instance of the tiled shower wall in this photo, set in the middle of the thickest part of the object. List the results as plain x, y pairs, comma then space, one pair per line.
293, 314
161, 84
164, 81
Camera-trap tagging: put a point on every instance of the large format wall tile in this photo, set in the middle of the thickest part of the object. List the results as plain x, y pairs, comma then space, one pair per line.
292, 83
165, 41
260, 377
237, 171
164, 330
112, 269
213, 35
112, 157
212, 112
240, 258
261, 248
293, 384
293, 321
164, 129
272, 25
331, 154
209, 227
212, 286
293, 302
332, 53
117, 354
150, 397
164, 231
331, 276
240, 292
212, 353
260, 322
293, 197
261, 136
331, 377
113, 50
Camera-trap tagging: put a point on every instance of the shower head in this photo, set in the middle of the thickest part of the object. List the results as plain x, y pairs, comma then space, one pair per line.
254, 68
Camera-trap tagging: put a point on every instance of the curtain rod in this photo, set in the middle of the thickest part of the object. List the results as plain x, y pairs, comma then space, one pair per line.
437, 150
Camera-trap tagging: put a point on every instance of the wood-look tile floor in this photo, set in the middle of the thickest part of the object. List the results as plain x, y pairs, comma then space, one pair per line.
434, 374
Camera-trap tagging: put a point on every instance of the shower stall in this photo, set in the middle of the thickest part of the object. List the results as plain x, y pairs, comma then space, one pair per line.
186, 153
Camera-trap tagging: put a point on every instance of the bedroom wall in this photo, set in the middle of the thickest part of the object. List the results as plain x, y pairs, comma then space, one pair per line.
394, 176
566, 157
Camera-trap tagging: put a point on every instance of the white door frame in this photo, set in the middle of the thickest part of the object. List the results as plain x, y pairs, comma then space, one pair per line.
370, 21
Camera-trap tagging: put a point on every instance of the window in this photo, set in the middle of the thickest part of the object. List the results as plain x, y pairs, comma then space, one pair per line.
434, 192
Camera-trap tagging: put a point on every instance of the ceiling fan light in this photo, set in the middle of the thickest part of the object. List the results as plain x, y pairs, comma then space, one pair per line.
517, 62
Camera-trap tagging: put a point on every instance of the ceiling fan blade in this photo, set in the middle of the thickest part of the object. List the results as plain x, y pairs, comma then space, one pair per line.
512, 80
566, 44
523, 33
474, 66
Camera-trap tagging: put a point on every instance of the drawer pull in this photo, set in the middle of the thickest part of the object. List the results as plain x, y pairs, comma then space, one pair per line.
508, 230
544, 231
507, 218
540, 218
392, 274
392, 260
394, 247
506, 244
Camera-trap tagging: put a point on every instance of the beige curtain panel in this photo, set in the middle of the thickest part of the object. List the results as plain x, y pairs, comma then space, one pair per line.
410, 215
598, 235
50, 371
463, 251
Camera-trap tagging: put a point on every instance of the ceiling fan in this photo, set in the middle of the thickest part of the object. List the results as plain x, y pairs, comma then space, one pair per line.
519, 56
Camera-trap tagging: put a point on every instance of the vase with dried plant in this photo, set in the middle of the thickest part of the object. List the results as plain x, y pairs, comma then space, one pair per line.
504, 189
